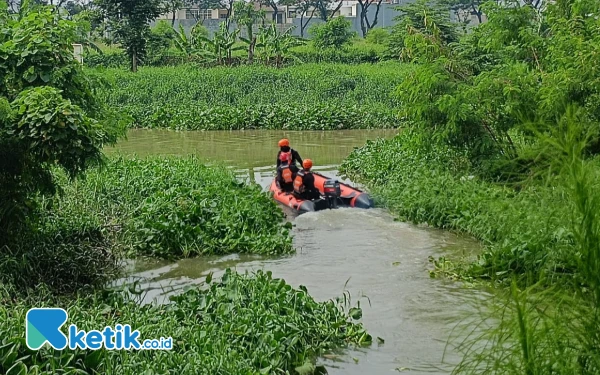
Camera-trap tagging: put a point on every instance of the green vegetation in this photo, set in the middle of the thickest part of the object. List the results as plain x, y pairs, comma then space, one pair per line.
68, 216
129, 21
161, 207
474, 154
427, 183
242, 324
49, 115
503, 145
332, 34
545, 330
177, 207
307, 97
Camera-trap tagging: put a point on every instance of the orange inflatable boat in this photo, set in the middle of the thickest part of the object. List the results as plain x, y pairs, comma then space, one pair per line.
334, 194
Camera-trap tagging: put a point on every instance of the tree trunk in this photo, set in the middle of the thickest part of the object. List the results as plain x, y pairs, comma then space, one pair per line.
304, 24
477, 13
173, 19
363, 16
370, 26
251, 50
134, 61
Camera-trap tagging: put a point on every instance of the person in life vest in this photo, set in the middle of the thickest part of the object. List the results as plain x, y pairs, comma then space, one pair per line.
304, 183
286, 173
293, 155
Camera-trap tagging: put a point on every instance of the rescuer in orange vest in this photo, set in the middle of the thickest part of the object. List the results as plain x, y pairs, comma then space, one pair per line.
293, 155
286, 173
304, 183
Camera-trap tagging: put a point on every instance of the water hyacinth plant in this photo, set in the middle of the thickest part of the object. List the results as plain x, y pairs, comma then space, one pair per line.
307, 97
240, 324
178, 207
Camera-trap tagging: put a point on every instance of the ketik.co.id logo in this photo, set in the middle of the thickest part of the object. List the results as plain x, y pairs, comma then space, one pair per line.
42, 325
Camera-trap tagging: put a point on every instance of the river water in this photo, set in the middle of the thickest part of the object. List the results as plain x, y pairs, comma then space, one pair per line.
381, 262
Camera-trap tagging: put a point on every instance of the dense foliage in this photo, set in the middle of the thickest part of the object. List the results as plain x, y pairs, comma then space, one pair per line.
308, 97
241, 324
49, 114
520, 67
162, 207
422, 182
334, 33
504, 146
129, 21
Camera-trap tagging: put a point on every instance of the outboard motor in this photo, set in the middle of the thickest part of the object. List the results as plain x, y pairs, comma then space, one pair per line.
332, 191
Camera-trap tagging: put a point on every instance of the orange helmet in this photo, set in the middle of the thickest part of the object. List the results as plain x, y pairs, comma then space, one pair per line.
284, 143
307, 164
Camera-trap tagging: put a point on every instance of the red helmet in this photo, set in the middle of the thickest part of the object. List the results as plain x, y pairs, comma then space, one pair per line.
307, 164
284, 143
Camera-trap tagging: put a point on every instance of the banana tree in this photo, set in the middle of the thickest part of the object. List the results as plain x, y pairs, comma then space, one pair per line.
183, 42
221, 47
276, 45
246, 16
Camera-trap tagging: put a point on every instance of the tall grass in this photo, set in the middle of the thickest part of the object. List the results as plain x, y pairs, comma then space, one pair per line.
553, 331
306, 97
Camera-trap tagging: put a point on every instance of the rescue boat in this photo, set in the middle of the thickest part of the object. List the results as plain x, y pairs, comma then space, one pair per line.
334, 194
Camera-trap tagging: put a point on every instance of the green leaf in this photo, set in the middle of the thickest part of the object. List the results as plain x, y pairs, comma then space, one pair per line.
306, 369
46, 76
30, 75
355, 313
17, 369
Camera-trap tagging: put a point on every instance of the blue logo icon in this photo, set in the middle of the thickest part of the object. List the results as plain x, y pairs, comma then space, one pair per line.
43, 326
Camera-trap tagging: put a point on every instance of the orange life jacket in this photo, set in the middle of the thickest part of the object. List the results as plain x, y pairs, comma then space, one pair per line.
299, 182
289, 154
286, 173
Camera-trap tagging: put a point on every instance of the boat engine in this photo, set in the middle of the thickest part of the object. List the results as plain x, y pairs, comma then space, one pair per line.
332, 191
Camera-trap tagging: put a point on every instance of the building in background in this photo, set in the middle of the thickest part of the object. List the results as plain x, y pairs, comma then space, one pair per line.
289, 16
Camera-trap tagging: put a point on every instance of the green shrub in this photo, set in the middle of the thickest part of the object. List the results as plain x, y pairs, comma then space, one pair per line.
353, 54
242, 324
49, 113
334, 33
378, 36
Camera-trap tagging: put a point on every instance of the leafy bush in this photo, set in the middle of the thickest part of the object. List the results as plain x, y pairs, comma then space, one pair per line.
353, 54
378, 36
111, 59
49, 112
242, 324
319, 97
334, 33
519, 67
552, 331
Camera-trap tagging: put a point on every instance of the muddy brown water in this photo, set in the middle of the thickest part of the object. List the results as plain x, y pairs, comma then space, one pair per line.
381, 262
